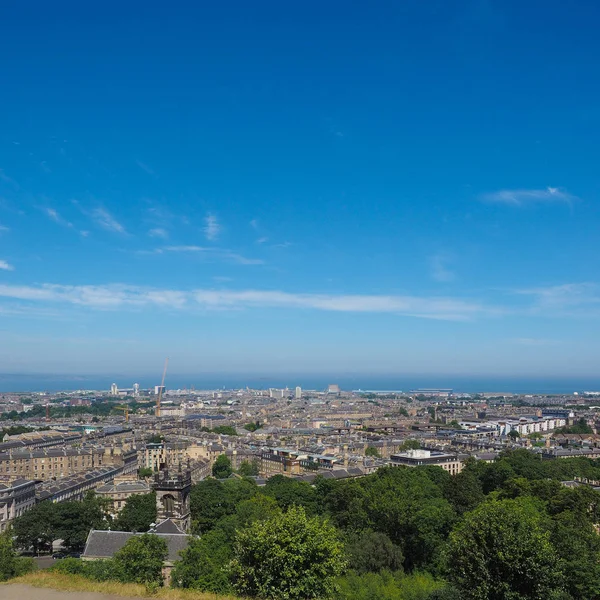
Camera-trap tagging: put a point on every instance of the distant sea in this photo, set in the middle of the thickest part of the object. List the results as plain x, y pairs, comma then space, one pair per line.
366, 382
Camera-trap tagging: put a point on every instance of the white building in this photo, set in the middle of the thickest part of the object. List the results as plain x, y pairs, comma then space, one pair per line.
298, 392
114, 390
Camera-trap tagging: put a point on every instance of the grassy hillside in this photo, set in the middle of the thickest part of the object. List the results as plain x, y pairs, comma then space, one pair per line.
75, 583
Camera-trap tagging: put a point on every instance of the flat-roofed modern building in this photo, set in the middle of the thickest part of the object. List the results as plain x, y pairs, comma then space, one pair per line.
421, 458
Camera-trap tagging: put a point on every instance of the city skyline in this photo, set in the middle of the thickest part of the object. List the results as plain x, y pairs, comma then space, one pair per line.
404, 191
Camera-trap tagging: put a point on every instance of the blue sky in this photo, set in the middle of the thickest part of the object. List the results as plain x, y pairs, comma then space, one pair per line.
390, 187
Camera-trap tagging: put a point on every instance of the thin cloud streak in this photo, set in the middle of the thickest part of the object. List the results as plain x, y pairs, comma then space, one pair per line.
5, 266
53, 214
523, 197
105, 220
123, 296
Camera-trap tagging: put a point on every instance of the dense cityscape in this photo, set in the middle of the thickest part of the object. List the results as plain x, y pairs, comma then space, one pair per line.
148, 457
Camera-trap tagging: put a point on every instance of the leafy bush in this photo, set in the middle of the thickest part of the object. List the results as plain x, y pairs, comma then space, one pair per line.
387, 586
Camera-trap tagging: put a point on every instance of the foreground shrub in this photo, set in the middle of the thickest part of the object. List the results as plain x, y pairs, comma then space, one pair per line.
12, 565
388, 586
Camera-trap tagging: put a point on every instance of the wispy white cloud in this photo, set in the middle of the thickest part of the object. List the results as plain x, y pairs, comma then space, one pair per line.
262, 240
4, 229
254, 223
44, 166
105, 220
212, 227
123, 296
144, 167
440, 268
214, 253
524, 197
56, 217
565, 300
5, 266
158, 232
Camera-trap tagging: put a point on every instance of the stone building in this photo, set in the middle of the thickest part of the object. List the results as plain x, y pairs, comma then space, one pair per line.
173, 508
121, 488
54, 463
16, 497
173, 497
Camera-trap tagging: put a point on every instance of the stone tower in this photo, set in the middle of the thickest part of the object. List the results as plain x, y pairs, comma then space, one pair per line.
173, 497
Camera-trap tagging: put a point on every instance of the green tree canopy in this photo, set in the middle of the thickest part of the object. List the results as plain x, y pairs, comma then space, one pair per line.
372, 552
502, 551
289, 556
138, 513
372, 451
249, 468
141, 559
289, 492
203, 564
221, 469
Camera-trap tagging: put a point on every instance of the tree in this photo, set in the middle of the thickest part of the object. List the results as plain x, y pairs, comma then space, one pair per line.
249, 469
141, 559
371, 552
12, 565
144, 472
513, 434
372, 451
411, 510
257, 508
289, 556
224, 430
502, 551
138, 513
209, 501
35, 529
252, 426
578, 545
289, 492
580, 426
463, 491
409, 445
203, 562
73, 520
221, 469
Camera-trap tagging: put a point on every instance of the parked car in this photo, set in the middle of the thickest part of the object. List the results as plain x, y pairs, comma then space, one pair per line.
74, 555
58, 555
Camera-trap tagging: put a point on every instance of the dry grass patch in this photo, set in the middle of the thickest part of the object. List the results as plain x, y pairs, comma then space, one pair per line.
76, 583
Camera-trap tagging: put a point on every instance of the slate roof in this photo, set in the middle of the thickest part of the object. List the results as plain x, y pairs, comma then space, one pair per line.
167, 526
104, 544
124, 486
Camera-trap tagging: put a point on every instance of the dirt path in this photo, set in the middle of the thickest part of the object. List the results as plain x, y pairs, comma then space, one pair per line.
27, 592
